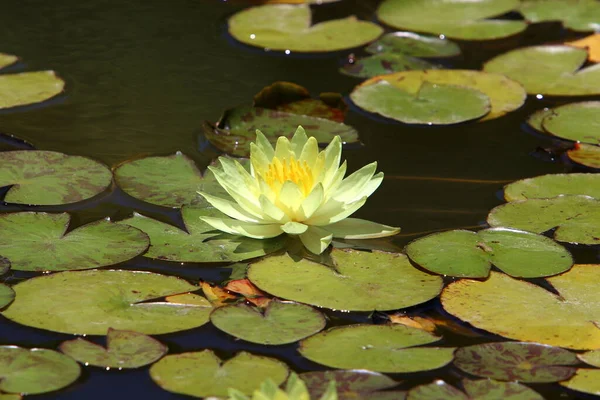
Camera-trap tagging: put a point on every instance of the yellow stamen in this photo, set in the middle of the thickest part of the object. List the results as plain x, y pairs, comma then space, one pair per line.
293, 170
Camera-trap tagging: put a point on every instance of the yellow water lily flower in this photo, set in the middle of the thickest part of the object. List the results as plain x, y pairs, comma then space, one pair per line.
295, 189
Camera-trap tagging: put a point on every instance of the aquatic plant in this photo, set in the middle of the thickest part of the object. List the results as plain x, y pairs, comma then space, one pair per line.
295, 390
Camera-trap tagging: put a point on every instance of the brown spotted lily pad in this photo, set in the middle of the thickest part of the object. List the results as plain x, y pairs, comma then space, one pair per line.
352, 384
481, 389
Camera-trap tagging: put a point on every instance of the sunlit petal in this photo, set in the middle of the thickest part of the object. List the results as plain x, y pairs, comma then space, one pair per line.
294, 228
231, 209
316, 239
248, 229
298, 141
353, 185
283, 148
354, 228
273, 213
310, 151
312, 202
265, 146
334, 211
291, 196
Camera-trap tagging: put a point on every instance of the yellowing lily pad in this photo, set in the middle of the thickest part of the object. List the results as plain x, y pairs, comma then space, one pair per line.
585, 154
359, 281
591, 43
203, 374
289, 27
552, 185
381, 64
381, 348
585, 380
352, 384
124, 349
50, 178
578, 15
579, 122
39, 242
480, 389
90, 302
524, 311
28, 87
7, 59
415, 45
590, 357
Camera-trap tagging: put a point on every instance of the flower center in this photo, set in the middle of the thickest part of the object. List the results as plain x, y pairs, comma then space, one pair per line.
293, 170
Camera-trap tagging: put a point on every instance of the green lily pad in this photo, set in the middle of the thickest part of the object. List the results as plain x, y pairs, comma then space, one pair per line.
590, 357
413, 44
7, 295
579, 122
504, 94
4, 265
28, 88
360, 281
578, 15
530, 313
90, 302
203, 374
199, 242
585, 154
435, 391
549, 70
386, 63
585, 380
352, 384
480, 389
7, 396
466, 20
577, 218
381, 348
38, 242
553, 185
471, 254
124, 349
289, 27
516, 361
50, 178
535, 119
7, 59
237, 128
35, 371
280, 323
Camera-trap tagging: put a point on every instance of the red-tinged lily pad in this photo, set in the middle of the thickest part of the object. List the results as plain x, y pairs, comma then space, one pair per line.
352, 384
585, 154
481, 389
386, 63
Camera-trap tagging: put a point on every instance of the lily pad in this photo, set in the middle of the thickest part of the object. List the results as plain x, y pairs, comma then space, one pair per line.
578, 15
470, 254
590, 357
504, 94
28, 88
585, 154
591, 43
577, 218
585, 380
90, 302
203, 374
530, 313
4, 265
199, 242
415, 45
466, 20
553, 185
38, 242
7, 295
381, 348
7, 59
50, 178
555, 70
481, 389
288, 27
386, 63
124, 349
280, 323
35, 371
359, 281
535, 119
579, 122
516, 361
352, 384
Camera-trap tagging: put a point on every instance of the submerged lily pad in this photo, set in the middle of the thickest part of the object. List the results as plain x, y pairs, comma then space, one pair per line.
480, 389
471, 254
381, 348
124, 349
552, 185
200, 242
549, 70
28, 88
457, 19
288, 27
577, 218
578, 15
203, 374
386, 63
585, 380
530, 313
585, 154
352, 384
50, 178
415, 45
35, 371
579, 122
90, 302
38, 242
359, 281
279, 323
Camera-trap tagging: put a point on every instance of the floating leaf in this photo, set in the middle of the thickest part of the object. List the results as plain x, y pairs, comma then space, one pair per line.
481, 389
471, 254
38, 242
288, 27
435, 391
535, 119
381, 64
577, 217
413, 44
203, 374
579, 122
50, 178
590, 357
28, 88
199, 242
217, 296
7, 59
124, 349
591, 43
552, 185
556, 70
90, 302
529, 312
585, 380
381, 348
457, 19
360, 281
578, 15
7, 295
35, 371
4, 265
280, 323
585, 154
351, 384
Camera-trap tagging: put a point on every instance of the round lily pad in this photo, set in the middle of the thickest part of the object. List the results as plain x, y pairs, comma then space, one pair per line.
359, 281
381, 348
7, 295
124, 349
471, 254
199, 242
535, 119
579, 122
35, 371
577, 218
585, 380
516, 361
524, 311
351, 384
549, 70
203, 374
90, 302
38, 242
386, 63
553, 185
578, 15
413, 44
28, 88
585, 154
50, 178
289, 27
590, 357
279, 323
480, 389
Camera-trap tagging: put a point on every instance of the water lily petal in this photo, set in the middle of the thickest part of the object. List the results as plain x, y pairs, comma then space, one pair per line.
258, 161
310, 151
283, 148
294, 228
235, 227
290, 198
237, 171
336, 180
352, 186
229, 208
334, 211
355, 228
265, 146
298, 141
237, 191
316, 239
312, 202
333, 155
271, 211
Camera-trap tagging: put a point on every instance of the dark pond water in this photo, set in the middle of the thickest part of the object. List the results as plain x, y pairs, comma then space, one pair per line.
143, 75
